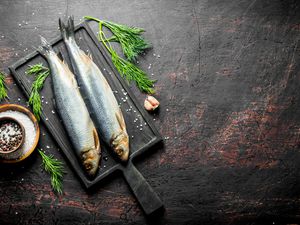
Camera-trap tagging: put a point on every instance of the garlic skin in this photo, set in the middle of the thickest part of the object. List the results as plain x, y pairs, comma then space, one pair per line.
151, 103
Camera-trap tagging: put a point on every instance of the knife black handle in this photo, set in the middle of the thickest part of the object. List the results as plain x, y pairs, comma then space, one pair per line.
144, 193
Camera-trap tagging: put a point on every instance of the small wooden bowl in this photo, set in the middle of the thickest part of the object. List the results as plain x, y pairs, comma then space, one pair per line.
14, 107
11, 119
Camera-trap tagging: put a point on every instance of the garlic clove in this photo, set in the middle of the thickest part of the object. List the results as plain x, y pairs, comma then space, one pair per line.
151, 103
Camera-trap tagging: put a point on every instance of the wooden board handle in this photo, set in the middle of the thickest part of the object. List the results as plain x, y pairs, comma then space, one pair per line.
144, 193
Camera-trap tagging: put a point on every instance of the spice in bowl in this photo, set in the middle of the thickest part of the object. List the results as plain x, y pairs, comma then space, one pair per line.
11, 135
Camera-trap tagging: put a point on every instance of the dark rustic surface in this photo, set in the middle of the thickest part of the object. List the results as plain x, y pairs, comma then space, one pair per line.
228, 87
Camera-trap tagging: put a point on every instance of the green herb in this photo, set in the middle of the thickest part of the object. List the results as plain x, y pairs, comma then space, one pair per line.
36, 69
130, 38
55, 169
131, 72
41, 74
127, 69
3, 93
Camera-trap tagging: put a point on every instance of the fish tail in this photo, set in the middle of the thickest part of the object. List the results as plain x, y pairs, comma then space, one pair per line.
45, 48
67, 31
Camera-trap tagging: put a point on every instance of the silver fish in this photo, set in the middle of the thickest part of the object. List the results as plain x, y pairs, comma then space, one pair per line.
107, 115
73, 111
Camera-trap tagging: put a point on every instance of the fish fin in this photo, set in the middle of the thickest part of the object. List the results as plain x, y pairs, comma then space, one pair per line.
121, 120
67, 31
90, 56
97, 140
45, 48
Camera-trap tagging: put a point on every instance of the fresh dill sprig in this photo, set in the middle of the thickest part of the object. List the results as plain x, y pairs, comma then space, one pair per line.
36, 69
130, 38
55, 169
127, 69
3, 93
132, 73
41, 74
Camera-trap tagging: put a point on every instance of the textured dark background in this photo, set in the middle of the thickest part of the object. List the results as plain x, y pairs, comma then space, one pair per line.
228, 83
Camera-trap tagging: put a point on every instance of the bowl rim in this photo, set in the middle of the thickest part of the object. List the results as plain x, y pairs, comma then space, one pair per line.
22, 109
9, 118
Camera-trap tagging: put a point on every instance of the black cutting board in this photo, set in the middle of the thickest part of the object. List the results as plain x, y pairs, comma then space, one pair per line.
140, 128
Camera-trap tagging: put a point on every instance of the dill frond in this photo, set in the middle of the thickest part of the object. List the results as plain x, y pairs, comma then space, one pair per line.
55, 169
130, 38
3, 92
41, 74
132, 73
125, 35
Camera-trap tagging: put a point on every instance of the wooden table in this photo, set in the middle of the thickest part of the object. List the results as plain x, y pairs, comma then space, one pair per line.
227, 79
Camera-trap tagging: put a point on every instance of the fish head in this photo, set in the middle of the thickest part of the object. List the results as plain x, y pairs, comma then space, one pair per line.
120, 145
90, 161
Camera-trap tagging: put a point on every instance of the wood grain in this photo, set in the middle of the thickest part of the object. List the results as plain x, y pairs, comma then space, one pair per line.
228, 84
